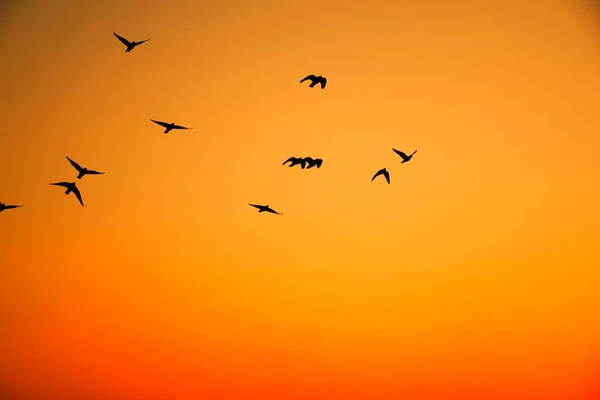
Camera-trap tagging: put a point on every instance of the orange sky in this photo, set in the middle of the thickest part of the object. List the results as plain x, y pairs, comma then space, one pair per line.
474, 275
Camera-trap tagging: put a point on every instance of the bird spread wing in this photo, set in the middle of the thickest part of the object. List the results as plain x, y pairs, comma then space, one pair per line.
323, 83
92, 172
65, 184
141, 41
123, 40
400, 153
255, 205
272, 211
78, 194
377, 174
387, 176
73, 163
311, 77
11, 206
163, 124
318, 162
180, 127
291, 159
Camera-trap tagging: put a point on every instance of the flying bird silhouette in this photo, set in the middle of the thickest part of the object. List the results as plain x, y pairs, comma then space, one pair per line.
316, 80
169, 127
8, 207
405, 158
383, 172
71, 187
83, 171
295, 161
130, 45
264, 209
313, 162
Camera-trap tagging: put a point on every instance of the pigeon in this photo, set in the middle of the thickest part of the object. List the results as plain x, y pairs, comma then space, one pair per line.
405, 158
8, 207
71, 187
264, 209
83, 171
316, 80
130, 45
383, 172
313, 162
295, 161
170, 126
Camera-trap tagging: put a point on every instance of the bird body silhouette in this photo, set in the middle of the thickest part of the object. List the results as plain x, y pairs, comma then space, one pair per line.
405, 158
296, 161
264, 208
130, 45
315, 80
313, 162
83, 171
8, 206
71, 187
169, 127
383, 172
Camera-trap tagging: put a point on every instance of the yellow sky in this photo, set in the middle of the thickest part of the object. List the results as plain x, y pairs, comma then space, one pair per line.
477, 266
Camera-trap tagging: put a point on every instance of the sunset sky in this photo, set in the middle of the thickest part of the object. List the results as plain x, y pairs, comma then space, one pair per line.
473, 276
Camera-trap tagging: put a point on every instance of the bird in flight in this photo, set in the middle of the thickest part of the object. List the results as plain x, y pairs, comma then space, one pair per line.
130, 45
405, 158
383, 172
313, 162
169, 127
71, 187
264, 209
83, 171
316, 80
295, 161
8, 207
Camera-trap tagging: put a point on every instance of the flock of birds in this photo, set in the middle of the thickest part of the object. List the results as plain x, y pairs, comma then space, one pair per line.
304, 162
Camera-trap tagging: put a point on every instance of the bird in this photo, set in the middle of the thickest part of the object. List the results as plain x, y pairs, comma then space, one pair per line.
71, 187
315, 80
383, 172
83, 171
295, 161
130, 45
313, 162
264, 208
8, 207
170, 126
405, 158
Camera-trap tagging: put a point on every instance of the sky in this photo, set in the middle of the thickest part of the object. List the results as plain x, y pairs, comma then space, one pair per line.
473, 275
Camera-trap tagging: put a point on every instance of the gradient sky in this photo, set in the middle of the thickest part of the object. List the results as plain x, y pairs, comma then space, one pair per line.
474, 275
